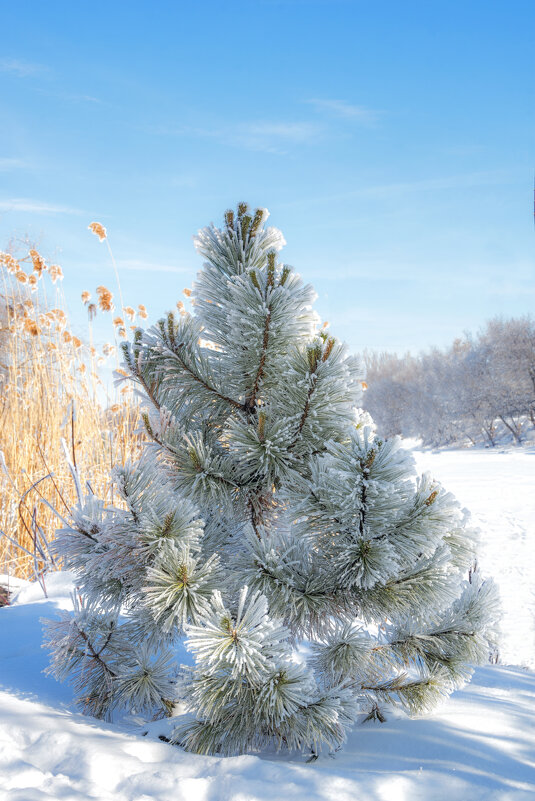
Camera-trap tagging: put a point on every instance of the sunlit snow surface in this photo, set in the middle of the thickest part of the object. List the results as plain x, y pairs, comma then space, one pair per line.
498, 487
479, 745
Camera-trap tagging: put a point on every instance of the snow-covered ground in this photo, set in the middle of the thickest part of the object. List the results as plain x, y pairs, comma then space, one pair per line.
498, 487
479, 745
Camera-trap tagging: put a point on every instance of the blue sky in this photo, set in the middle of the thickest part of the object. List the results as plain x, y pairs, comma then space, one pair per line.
392, 143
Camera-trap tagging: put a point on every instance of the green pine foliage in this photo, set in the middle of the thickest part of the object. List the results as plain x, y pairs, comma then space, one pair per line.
265, 514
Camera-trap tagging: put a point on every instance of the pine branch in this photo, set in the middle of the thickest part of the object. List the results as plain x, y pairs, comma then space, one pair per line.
107, 640
132, 356
366, 467
250, 402
150, 391
304, 415
325, 509
254, 520
131, 507
235, 404
94, 654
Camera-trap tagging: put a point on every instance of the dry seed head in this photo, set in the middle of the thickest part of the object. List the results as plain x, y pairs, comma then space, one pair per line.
105, 299
129, 312
38, 262
59, 317
142, 311
86, 297
31, 327
9, 262
98, 229
118, 321
77, 342
187, 292
55, 273
66, 336
21, 277
32, 280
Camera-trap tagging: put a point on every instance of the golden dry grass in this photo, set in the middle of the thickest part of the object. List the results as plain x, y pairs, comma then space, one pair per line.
50, 389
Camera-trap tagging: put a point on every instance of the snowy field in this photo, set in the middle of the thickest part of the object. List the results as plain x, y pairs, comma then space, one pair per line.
479, 745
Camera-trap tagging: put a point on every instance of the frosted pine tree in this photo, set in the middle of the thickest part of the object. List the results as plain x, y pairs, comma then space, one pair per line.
265, 521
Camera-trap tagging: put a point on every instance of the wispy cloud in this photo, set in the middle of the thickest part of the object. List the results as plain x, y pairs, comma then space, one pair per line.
186, 180
35, 206
78, 98
70, 97
8, 164
460, 181
397, 189
266, 136
272, 136
340, 108
22, 69
139, 265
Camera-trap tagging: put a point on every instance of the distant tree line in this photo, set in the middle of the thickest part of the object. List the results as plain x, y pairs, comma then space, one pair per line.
480, 388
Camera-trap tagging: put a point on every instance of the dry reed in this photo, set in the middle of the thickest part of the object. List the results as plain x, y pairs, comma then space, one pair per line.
51, 390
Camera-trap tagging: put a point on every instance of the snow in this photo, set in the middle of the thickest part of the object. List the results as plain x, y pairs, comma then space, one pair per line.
498, 487
480, 744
